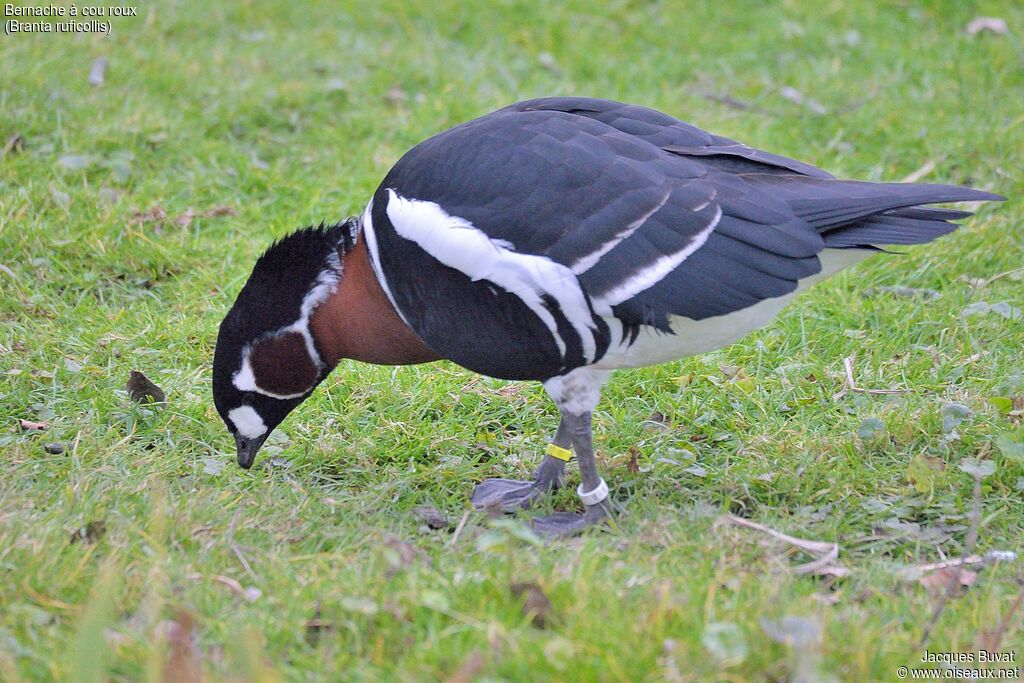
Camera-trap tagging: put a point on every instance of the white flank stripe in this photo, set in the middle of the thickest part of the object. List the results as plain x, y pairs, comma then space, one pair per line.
371, 246
456, 243
656, 271
248, 422
585, 263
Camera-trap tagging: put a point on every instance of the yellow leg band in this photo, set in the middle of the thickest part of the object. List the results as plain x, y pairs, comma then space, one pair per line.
558, 452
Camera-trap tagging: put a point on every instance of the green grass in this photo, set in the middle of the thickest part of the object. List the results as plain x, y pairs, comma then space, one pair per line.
290, 113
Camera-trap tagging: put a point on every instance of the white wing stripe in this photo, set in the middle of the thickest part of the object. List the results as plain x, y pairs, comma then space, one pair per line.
656, 271
458, 244
371, 247
586, 262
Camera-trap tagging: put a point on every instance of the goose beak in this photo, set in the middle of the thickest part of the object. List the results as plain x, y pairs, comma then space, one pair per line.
248, 448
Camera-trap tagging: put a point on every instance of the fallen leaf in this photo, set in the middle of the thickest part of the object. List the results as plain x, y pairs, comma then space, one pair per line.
871, 429
536, 605
72, 365
98, 72
1001, 308
1004, 404
977, 468
952, 415
90, 533
696, 470
921, 472
994, 25
431, 516
1011, 449
952, 579
142, 390
182, 664
30, 426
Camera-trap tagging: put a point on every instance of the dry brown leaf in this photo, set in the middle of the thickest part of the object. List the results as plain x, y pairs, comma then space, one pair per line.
952, 579
142, 390
536, 605
469, 669
634, 460
30, 426
182, 665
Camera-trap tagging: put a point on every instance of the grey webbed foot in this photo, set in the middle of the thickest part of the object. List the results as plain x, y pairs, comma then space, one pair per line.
571, 523
510, 495
507, 495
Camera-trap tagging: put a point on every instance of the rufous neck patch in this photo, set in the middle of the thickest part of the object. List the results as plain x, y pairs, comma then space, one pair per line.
281, 364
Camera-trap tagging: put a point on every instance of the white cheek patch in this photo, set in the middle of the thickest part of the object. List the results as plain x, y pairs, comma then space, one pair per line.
244, 379
248, 422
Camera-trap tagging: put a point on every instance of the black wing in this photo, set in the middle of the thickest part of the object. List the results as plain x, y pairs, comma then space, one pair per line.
654, 216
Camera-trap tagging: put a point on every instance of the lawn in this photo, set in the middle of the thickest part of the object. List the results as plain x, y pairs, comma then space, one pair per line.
131, 212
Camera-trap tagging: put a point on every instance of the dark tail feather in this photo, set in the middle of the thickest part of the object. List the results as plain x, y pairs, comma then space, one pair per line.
850, 213
888, 229
835, 203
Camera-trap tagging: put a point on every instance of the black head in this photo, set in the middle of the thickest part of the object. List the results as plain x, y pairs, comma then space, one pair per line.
267, 362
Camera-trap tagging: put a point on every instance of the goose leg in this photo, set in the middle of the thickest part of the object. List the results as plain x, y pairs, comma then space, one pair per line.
576, 395
592, 490
509, 495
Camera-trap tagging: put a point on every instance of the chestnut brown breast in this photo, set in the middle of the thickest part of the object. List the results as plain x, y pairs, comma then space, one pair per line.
359, 322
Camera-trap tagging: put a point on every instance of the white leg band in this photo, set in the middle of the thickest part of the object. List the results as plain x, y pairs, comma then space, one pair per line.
594, 497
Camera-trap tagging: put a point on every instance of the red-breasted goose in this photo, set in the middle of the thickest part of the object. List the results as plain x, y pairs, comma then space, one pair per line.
554, 240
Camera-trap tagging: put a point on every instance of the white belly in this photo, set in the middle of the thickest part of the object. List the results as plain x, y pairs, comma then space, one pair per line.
692, 337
